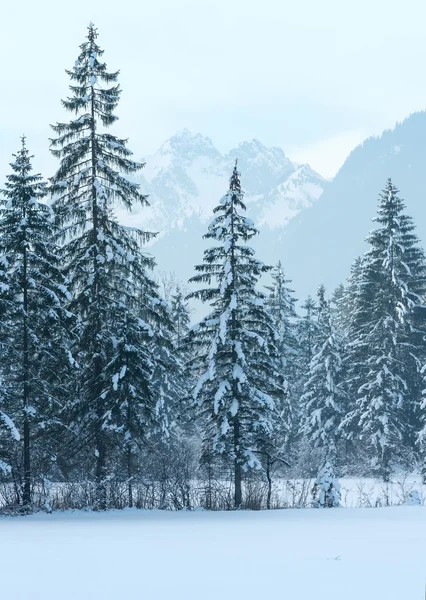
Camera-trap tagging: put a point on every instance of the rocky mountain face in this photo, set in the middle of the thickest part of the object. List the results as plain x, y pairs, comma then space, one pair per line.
187, 177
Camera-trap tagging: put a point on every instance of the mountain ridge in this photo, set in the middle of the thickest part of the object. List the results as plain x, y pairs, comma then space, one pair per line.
186, 178
338, 223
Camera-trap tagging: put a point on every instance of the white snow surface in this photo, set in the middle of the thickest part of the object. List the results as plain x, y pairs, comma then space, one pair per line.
373, 554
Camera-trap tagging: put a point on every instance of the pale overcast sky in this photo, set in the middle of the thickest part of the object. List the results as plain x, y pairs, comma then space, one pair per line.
314, 77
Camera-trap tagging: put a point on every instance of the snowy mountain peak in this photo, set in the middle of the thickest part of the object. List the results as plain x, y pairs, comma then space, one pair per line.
187, 177
262, 166
255, 148
186, 146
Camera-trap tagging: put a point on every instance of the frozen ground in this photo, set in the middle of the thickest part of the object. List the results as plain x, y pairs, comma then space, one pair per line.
350, 554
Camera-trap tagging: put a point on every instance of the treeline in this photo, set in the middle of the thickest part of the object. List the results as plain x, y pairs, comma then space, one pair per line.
109, 398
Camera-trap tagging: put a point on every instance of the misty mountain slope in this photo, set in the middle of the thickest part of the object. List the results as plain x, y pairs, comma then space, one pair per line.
187, 177
320, 243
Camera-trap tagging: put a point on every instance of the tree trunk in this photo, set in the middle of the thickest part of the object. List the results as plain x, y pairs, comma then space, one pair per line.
101, 493
238, 494
209, 491
130, 477
269, 478
385, 466
100, 470
26, 495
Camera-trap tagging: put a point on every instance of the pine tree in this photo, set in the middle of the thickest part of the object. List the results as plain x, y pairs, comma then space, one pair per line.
281, 307
235, 349
103, 260
350, 315
9, 434
180, 315
421, 438
324, 399
388, 344
306, 332
35, 350
326, 490
339, 309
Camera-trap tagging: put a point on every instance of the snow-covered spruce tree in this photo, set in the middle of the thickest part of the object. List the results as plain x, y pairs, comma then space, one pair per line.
339, 309
421, 439
181, 318
323, 400
102, 260
306, 331
235, 347
34, 350
349, 312
143, 374
389, 341
352, 313
9, 434
180, 315
281, 307
326, 490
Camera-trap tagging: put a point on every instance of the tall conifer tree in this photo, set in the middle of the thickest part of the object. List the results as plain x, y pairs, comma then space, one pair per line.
388, 342
180, 315
306, 331
323, 400
235, 346
35, 352
281, 307
103, 262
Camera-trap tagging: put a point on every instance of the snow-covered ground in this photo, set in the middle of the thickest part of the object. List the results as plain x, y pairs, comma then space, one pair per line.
373, 554
361, 492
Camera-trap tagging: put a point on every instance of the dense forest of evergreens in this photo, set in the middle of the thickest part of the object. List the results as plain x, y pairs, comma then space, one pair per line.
111, 398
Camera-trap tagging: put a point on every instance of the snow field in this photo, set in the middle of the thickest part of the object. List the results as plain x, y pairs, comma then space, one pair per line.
355, 492
373, 554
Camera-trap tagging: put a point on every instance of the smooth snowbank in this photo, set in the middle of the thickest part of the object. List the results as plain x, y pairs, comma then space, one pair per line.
342, 553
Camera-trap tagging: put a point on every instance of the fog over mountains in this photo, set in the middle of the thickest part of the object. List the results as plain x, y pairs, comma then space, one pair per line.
320, 244
314, 226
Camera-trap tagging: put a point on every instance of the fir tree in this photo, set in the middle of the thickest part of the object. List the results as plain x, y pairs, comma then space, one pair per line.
326, 490
351, 314
102, 258
306, 332
180, 315
339, 309
388, 344
323, 399
143, 375
281, 307
421, 438
35, 352
235, 349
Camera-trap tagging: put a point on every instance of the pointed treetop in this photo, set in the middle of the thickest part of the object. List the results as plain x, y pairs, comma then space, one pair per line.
321, 293
235, 184
22, 162
93, 32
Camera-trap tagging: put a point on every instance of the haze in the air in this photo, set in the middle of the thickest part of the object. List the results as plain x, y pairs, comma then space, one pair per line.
314, 78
